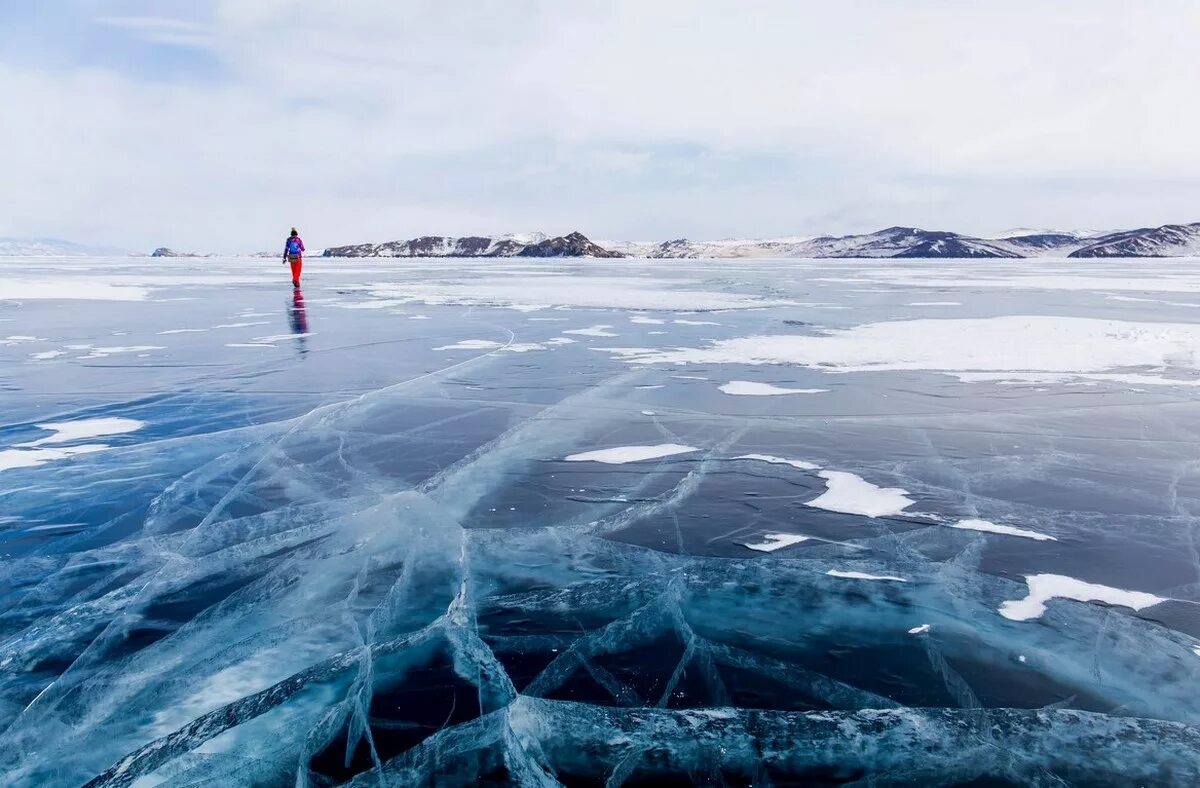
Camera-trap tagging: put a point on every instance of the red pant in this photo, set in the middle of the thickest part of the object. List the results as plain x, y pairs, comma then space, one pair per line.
297, 263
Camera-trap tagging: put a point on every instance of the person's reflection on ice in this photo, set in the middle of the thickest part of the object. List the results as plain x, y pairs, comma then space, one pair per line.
298, 319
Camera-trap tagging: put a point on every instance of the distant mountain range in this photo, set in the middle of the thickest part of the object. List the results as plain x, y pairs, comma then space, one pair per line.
533, 245
1169, 240
53, 247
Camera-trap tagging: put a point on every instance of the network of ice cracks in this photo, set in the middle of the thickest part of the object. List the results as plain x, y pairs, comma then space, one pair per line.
273, 618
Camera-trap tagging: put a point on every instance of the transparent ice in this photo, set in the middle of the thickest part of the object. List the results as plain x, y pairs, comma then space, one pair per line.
347, 547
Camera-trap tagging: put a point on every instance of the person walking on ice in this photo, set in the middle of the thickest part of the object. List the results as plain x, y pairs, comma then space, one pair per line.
293, 253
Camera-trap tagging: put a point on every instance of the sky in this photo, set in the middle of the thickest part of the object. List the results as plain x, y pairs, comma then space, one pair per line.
216, 126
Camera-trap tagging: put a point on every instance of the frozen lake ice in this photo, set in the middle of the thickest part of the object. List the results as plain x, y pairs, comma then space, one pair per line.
599, 522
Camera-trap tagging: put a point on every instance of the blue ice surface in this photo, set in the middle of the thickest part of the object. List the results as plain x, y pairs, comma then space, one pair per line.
335, 554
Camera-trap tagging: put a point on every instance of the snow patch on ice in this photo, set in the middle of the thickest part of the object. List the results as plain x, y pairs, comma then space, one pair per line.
31, 453
592, 331
1073, 379
1044, 587
850, 575
488, 344
747, 388
935, 303
769, 543
647, 321
695, 322
1187, 283
68, 289
281, 337
997, 528
620, 455
594, 292
27, 458
1019, 345
801, 464
104, 352
849, 493
67, 431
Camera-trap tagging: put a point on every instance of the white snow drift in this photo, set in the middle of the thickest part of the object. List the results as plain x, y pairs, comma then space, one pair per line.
619, 455
997, 528
749, 388
594, 292
850, 575
1043, 588
849, 493
50, 448
1017, 345
769, 543
801, 464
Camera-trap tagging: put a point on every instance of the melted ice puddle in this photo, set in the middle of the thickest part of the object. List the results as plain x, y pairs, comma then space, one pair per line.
849, 493
769, 543
620, 455
747, 388
1043, 588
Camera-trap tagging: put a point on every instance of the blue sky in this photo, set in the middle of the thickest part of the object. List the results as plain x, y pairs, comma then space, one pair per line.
211, 126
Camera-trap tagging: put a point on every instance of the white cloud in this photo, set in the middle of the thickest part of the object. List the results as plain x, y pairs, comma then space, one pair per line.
650, 119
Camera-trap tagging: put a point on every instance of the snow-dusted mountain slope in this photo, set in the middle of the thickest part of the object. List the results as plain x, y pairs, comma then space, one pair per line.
1169, 240
527, 245
52, 247
728, 247
892, 242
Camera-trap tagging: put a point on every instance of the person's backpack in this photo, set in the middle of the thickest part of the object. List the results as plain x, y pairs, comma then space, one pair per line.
293, 246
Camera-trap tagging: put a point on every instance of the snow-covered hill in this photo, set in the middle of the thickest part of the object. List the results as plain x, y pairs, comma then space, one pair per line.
53, 247
729, 247
528, 245
892, 242
1169, 240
